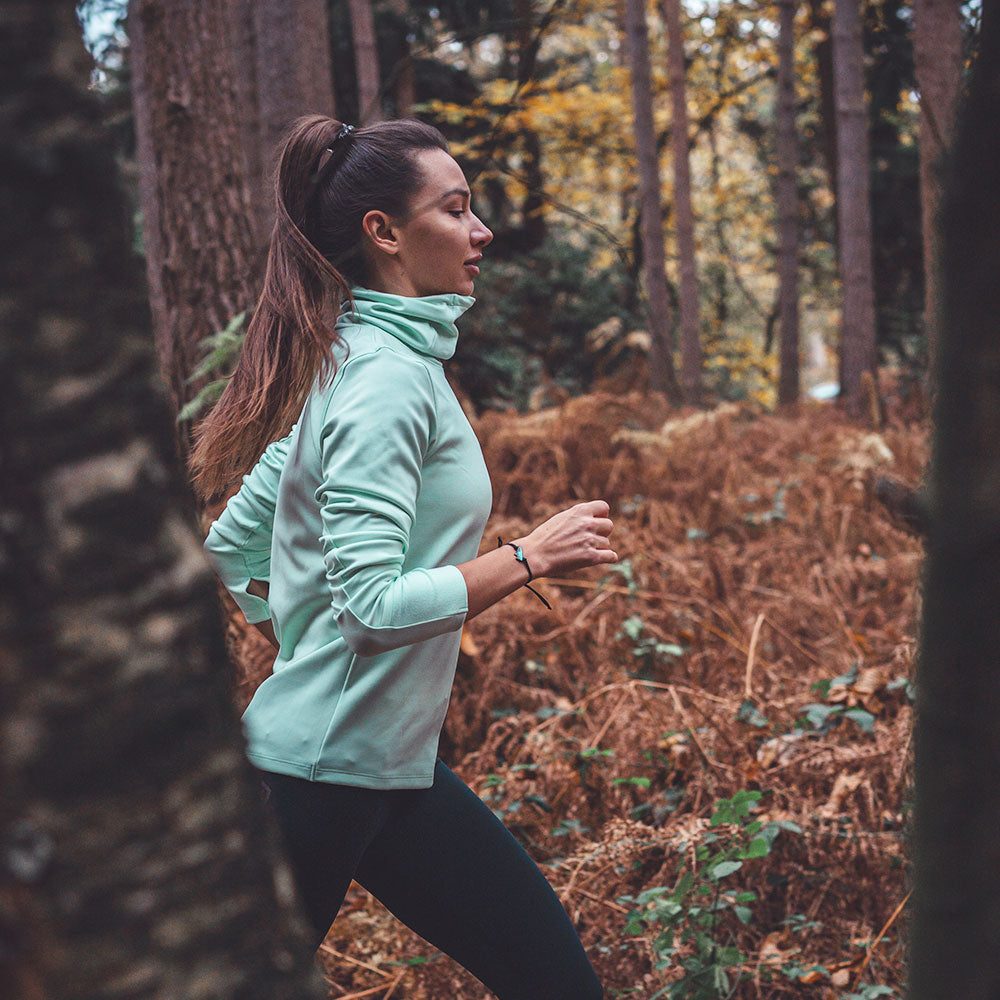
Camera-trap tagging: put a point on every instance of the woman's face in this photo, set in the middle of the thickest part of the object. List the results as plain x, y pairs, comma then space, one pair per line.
437, 246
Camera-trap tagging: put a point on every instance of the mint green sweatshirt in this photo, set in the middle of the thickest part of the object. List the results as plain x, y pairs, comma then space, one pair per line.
357, 520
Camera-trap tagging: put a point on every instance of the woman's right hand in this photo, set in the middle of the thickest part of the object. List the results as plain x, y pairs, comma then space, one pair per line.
573, 538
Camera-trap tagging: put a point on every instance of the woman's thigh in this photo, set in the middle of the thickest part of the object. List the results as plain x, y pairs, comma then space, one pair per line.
326, 829
450, 870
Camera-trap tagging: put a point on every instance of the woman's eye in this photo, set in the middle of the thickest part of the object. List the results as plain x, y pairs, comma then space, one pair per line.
458, 213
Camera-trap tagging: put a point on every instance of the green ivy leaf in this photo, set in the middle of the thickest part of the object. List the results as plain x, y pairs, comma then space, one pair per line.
757, 848
725, 868
864, 719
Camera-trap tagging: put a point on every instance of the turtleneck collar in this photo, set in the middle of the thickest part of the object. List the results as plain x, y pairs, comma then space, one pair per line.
426, 323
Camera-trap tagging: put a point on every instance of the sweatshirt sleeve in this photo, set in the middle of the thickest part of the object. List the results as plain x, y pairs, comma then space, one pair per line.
378, 427
239, 542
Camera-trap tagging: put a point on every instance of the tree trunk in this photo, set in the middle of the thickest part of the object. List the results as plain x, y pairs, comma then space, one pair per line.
937, 54
683, 212
198, 222
718, 273
819, 23
857, 324
405, 85
955, 933
293, 75
366, 61
243, 38
788, 216
534, 224
661, 364
136, 862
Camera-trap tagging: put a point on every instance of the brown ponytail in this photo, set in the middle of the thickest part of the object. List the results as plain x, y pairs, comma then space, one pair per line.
313, 259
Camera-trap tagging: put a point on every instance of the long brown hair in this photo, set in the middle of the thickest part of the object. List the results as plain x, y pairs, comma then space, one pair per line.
314, 257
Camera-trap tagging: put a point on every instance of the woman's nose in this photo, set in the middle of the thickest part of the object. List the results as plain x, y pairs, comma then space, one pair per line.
482, 235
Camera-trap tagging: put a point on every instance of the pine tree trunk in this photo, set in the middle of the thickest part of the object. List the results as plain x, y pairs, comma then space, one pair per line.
366, 61
937, 56
405, 84
683, 212
243, 39
955, 931
857, 324
788, 216
135, 861
198, 220
294, 75
534, 225
819, 24
661, 364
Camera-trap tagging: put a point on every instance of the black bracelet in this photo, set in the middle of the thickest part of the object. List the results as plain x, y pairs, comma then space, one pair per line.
520, 557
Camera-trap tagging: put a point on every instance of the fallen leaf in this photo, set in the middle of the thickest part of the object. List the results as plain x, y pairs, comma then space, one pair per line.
844, 785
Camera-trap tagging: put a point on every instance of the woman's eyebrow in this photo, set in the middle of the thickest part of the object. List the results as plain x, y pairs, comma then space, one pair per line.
464, 192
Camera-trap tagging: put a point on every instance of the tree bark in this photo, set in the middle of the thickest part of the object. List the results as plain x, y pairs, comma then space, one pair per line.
405, 84
198, 223
937, 53
788, 216
857, 324
534, 224
366, 61
243, 39
819, 22
661, 365
954, 946
134, 857
294, 76
683, 212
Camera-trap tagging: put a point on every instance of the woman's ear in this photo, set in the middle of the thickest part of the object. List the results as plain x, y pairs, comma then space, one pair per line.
378, 228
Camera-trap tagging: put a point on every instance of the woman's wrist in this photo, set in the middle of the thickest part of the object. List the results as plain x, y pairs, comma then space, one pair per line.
532, 556
522, 557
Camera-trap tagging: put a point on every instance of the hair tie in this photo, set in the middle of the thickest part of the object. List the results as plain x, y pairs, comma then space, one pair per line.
330, 153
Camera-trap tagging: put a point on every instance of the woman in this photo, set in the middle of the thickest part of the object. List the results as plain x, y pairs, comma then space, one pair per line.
352, 545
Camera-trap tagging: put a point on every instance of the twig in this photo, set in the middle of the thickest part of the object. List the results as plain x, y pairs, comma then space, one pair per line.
395, 983
878, 937
596, 742
793, 641
597, 899
690, 728
578, 620
751, 653
364, 993
613, 588
353, 961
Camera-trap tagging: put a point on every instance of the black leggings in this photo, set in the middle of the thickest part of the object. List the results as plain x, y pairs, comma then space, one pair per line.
446, 867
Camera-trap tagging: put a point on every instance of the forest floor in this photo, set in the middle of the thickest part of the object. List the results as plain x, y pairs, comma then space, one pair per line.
758, 635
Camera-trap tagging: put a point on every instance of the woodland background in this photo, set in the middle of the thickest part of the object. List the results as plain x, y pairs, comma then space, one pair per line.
708, 217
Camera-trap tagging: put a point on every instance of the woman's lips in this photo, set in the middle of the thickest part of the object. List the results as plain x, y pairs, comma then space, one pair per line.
472, 269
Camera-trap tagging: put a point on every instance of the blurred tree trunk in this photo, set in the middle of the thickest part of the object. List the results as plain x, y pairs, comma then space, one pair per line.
366, 61
955, 937
819, 23
404, 85
683, 212
718, 272
198, 222
243, 38
788, 215
937, 53
294, 77
135, 861
527, 53
857, 323
661, 363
